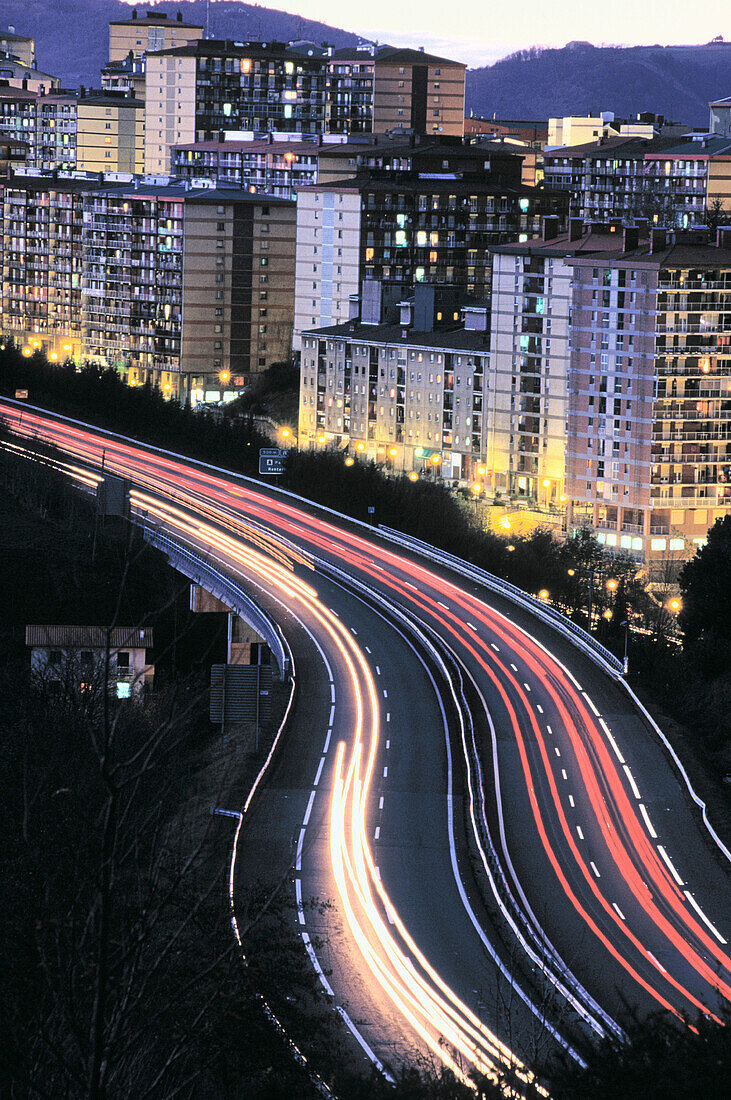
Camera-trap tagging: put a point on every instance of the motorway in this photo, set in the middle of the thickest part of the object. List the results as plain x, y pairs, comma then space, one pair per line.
507, 853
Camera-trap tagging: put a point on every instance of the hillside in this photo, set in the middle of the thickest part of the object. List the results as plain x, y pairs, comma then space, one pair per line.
72, 36
677, 81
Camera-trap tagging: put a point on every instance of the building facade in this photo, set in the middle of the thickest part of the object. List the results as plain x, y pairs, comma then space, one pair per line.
649, 415
188, 288
669, 182
403, 384
404, 228
273, 167
153, 32
198, 92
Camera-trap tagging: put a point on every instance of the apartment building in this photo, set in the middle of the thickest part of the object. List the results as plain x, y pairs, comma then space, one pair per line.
18, 117
110, 134
668, 181
577, 129
402, 383
19, 47
17, 75
197, 92
529, 366
351, 79
273, 167
720, 117
55, 131
406, 228
648, 462
153, 31
420, 153
126, 76
189, 288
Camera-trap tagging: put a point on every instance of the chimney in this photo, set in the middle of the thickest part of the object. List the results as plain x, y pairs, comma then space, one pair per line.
549, 227
723, 236
576, 229
658, 239
630, 238
179, 17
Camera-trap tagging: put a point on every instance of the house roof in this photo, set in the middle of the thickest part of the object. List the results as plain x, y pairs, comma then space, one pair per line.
88, 637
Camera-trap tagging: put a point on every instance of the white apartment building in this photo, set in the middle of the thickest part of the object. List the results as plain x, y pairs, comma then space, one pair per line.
328, 251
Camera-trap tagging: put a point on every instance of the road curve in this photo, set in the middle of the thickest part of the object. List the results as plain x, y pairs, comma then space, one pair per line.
586, 849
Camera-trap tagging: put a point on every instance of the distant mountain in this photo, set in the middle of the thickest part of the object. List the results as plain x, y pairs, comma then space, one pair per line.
72, 36
676, 81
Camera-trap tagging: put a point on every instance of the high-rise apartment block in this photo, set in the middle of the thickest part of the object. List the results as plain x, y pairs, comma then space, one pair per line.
18, 47
668, 181
196, 92
154, 31
405, 228
189, 288
649, 414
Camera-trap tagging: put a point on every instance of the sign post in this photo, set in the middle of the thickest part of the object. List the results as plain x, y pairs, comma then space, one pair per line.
272, 460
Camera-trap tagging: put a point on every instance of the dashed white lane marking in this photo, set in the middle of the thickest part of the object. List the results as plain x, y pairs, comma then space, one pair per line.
368, 649
354, 631
472, 626
388, 716
591, 704
326, 746
331, 719
298, 899
557, 750
594, 868
410, 585
378, 873
443, 605
580, 834
657, 962
571, 801
334, 612
573, 679
308, 811
617, 910
611, 740
388, 744
378, 670
298, 858
670, 866
703, 916
319, 773
496, 648
514, 667
385, 772
526, 686
539, 708
318, 969
648, 823
332, 693
380, 803
630, 780
377, 832
563, 773
549, 730
385, 694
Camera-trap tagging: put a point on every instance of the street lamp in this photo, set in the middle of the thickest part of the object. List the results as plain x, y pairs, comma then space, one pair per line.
571, 572
625, 624
413, 476
675, 605
349, 461
360, 446
510, 547
322, 439
543, 594
607, 614
612, 584
285, 433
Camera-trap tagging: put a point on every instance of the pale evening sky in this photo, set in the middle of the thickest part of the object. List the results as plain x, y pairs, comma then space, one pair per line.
477, 32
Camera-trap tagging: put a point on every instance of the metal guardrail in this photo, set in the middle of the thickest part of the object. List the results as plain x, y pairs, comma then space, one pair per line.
216, 582
576, 634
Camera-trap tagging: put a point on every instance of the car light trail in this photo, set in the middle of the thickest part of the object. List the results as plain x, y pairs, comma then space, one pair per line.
281, 535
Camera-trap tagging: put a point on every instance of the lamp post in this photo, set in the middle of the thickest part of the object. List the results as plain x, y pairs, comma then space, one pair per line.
625, 666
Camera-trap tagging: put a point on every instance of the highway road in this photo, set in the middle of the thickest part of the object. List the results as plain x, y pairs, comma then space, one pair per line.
509, 852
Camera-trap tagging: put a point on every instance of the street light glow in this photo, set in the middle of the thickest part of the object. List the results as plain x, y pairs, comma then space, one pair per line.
612, 584
349, 461
392, 451
413, 476
543, 594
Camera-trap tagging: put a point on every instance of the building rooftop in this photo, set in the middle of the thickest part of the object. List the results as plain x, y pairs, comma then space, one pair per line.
89, 637
139, 187
151, 18
452, 182
226, 47
416, 145
456, 339
258, 145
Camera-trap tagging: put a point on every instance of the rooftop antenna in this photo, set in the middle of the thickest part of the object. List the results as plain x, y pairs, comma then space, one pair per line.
208, 18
